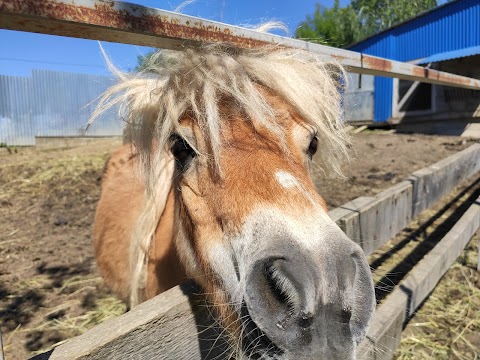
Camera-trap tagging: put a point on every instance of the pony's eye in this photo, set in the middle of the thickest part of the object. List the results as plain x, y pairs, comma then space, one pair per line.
182, 152
312, 148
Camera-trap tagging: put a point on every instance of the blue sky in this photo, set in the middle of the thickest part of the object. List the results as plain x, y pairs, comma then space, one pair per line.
21, 52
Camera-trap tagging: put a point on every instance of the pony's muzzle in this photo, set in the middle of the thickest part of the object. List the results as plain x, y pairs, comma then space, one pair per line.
306, 307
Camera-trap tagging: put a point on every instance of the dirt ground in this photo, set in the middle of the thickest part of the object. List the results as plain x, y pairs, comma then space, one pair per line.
50, 289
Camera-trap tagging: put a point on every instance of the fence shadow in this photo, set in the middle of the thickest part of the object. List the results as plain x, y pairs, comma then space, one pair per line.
422, 229
392, 279
212, 339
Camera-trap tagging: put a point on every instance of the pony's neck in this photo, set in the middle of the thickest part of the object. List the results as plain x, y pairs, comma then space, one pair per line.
164, 268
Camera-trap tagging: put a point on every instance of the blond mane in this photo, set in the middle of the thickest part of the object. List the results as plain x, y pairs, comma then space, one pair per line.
174, 83
193, 81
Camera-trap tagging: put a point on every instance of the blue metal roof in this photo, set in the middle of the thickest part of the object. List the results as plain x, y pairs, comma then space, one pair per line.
449, 30
449, 55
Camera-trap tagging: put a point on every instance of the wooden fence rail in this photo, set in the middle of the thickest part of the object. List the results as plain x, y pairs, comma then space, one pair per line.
372, 221
176, 325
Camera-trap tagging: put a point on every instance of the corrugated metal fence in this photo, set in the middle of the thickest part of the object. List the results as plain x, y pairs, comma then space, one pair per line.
51, 103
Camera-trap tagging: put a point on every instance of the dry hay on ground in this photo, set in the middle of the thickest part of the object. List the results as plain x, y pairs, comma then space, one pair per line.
49, 288
447, 326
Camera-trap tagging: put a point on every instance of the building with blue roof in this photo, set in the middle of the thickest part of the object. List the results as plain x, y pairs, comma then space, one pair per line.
446, 38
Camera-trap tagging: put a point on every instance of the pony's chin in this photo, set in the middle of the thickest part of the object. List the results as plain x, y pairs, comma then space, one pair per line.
255, 343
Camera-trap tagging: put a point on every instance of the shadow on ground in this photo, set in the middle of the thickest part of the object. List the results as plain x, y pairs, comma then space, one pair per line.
426, 241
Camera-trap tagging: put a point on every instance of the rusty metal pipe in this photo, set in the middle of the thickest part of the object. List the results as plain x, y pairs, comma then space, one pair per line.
134, 24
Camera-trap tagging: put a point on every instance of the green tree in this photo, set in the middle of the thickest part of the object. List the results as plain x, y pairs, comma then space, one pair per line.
153, 60
378, 15
340, 26
334, 26
143, 61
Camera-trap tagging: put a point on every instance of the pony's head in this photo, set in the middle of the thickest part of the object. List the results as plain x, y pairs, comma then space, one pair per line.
251, 229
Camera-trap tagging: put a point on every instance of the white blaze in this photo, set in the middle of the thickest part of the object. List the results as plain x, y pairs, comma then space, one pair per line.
286, 180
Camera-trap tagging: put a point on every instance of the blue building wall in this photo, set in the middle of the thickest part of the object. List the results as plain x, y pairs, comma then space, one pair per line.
453, 26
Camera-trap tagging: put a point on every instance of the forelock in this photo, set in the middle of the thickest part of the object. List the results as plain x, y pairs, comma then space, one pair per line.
195, 80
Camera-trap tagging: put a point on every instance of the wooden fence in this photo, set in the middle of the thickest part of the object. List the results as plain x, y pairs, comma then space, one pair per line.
175, 325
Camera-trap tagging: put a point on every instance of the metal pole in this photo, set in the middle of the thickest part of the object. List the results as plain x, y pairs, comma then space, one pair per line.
122, 22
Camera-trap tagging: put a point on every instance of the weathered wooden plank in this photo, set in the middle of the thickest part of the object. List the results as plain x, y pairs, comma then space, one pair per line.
439, 259
386, 216
348, 208
385, 332
174, 325
375, 221
437, 180
372, 221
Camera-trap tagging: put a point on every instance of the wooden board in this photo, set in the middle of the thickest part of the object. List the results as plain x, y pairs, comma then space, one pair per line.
164, 327
437, 180
347, 209
385, 331
375, 221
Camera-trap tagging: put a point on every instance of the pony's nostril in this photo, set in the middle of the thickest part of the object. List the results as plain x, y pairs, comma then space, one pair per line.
346, 315
306, 319
276, 284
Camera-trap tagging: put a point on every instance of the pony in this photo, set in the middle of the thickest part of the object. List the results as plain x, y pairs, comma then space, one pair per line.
215, 187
